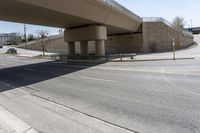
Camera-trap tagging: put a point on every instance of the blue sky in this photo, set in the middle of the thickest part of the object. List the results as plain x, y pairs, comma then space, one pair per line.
168, 9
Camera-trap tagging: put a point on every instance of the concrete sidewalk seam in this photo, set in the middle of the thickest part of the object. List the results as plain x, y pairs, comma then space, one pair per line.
12, 124
86, 114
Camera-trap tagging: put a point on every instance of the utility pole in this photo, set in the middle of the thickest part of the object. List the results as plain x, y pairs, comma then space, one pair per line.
191, 23
25, 36
60, 31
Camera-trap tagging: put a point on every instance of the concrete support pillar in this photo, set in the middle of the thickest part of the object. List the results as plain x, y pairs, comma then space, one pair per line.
71, 48
85, 34
100, 48
84, 48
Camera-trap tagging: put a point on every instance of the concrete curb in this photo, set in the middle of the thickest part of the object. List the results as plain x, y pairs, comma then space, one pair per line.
125, 60
9, 123
153, 59
86, 61
162, 59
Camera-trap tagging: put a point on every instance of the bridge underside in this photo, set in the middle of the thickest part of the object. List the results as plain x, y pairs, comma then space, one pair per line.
196, 31
84, 20
67, 14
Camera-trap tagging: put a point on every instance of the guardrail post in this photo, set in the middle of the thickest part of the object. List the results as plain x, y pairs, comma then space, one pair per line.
107, 58
174, 49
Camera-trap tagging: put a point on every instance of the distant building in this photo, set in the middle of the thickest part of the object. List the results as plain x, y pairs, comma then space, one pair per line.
9, 38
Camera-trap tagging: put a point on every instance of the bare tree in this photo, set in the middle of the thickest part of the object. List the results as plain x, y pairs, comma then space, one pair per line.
15, 38
31, 37
43, 39
179, 22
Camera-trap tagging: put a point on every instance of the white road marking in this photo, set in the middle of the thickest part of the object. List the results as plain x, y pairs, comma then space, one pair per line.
59, 62
4, 64
191, 72
97, 79
68, 65
4, 83
79, 66
173, 84
29, 69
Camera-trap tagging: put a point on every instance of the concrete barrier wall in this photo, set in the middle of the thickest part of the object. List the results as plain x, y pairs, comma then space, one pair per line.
157, 37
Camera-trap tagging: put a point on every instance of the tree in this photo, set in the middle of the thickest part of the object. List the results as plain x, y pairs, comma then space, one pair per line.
179, 22
42, 36
31, 37
15, 38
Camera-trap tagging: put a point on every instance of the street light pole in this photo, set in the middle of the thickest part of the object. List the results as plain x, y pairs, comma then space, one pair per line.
25, 37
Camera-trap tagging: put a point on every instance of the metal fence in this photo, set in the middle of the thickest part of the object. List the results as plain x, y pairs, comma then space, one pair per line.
160, 19
94, 57
123, 9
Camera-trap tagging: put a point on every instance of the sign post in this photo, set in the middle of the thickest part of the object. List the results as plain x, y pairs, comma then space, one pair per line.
174, 49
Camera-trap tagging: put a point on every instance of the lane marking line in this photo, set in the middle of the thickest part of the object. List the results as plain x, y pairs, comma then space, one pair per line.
29, 69
175, 85
6, 84
97, 79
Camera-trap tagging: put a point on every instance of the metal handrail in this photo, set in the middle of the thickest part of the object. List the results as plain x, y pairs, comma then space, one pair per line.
160, 19
107, 56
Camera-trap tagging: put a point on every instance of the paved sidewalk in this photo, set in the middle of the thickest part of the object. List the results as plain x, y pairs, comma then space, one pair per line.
11, 124
47, 116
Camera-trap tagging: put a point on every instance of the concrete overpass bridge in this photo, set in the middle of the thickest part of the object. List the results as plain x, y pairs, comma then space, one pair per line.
195, 30
84, 20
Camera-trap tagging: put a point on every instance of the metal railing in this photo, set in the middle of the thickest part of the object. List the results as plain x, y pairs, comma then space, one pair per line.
160, 19
94, 57
123, 9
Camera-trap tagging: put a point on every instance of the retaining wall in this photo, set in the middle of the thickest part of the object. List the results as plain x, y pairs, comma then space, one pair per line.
157, 37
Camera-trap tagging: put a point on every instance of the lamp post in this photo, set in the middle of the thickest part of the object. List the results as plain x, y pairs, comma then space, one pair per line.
25, 36
174, 49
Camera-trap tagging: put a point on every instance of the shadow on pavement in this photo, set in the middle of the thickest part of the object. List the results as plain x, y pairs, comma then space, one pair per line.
19, 76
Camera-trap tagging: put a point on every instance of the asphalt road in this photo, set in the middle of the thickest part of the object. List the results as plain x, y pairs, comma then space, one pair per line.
144, 96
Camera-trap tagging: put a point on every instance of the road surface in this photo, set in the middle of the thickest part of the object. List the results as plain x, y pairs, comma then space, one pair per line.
140, 96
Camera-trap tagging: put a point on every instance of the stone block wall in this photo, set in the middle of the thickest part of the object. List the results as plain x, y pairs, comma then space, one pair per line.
128, 43
115, 44
53, 45
153, 37
57, 45
157, 37
187, 41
